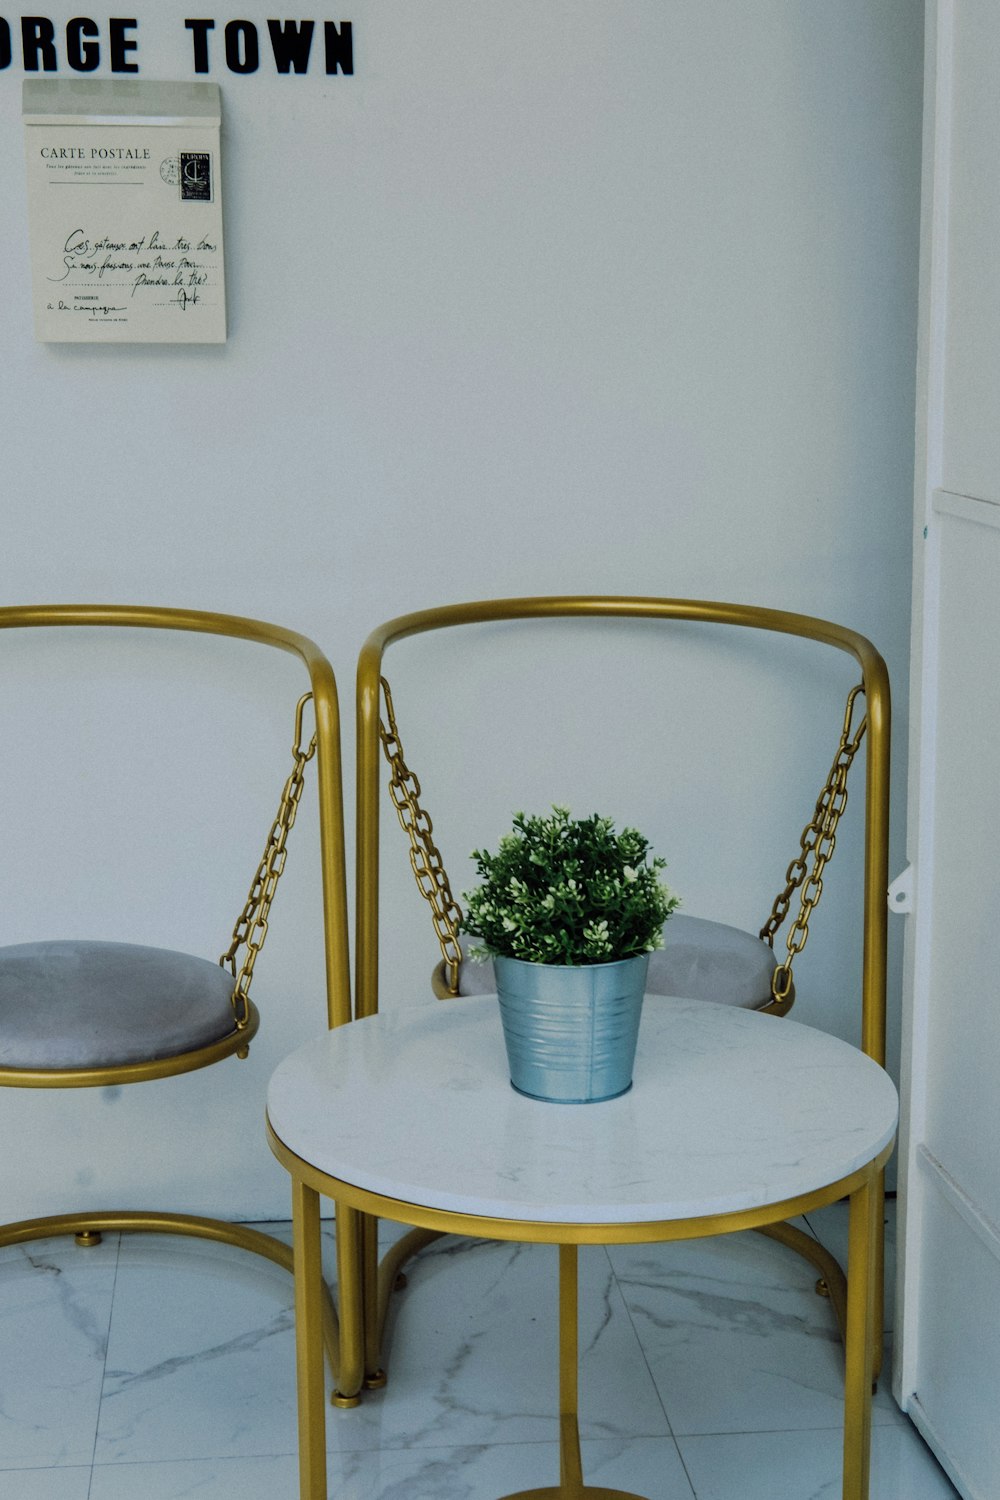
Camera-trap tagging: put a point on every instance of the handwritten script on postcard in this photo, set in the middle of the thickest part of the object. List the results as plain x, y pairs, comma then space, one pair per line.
126, 232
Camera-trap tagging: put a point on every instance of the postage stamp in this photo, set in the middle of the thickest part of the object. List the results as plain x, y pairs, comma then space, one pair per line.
196, 176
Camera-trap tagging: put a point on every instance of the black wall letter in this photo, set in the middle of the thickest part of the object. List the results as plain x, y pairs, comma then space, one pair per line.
120, 44
6, 52
290, 43
245, 59
38, 40
339, 46
200, 30
83, 56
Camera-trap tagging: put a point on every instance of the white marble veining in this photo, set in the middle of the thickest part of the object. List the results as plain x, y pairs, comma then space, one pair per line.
198, 1398
493, 1330
806, 1466
199, 1330
55, 1312
729, 1110
45, 1484
470, 1472
732, 1328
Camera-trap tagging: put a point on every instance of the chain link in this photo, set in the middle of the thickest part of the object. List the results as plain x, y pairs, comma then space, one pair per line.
251, 924
816, 846
425, 858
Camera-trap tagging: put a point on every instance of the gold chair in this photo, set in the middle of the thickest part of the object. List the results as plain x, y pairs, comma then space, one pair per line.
78, 1014
702, 958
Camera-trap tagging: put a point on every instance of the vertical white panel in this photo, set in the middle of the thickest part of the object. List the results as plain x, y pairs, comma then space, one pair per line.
964, 1018
946, 1370
971, 453
954, 1400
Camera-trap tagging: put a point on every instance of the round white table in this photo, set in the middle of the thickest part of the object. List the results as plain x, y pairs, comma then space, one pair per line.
734, 1120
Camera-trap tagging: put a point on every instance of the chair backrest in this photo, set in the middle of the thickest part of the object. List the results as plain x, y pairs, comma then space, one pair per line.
670, 612
322, 686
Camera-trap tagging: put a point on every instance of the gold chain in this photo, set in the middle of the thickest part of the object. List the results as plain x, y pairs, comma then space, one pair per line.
425, 859
251, 925
817, 844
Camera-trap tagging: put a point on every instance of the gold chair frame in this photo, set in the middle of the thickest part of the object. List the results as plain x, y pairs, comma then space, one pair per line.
379, 1280
342, 1338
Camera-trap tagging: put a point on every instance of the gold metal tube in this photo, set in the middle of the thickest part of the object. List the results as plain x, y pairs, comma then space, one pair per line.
370, 1297
861, 1264
351, 1367
367, 840
308, 1343
876, 682
570, 1462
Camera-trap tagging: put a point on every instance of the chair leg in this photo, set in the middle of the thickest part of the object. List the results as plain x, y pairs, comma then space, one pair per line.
308, 1351
88, 1227
381, 1279
350, 1288
374, 1373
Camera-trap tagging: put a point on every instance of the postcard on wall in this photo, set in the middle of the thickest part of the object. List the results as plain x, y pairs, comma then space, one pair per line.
125, 211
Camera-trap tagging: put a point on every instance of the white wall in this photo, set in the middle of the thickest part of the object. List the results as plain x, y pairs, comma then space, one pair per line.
545, 298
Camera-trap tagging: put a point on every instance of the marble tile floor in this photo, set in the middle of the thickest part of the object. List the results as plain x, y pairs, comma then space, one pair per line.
163, 1368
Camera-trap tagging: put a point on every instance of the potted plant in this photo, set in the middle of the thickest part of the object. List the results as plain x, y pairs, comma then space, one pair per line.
569, 910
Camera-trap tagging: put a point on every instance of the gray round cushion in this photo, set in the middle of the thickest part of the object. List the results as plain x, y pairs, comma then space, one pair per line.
94, 1005
700, 960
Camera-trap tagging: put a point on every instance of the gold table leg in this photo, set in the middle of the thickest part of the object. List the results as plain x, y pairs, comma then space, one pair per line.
862, 1264
861, 1319
309, 1342
571, 1485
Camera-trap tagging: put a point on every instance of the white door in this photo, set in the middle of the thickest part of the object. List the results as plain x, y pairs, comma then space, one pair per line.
947, 1362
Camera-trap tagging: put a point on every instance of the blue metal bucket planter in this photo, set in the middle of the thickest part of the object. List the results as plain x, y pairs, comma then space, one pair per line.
571, 1030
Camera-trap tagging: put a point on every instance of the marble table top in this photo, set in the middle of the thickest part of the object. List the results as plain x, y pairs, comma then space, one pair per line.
729, 1110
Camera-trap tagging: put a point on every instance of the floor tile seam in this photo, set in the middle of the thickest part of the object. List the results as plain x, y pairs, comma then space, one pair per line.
742, 1432
687, 1472
347, 1453
615, 1440
112, 1465
404, 1445
23, 1468
882, 1416
642, 1348
104, 1364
